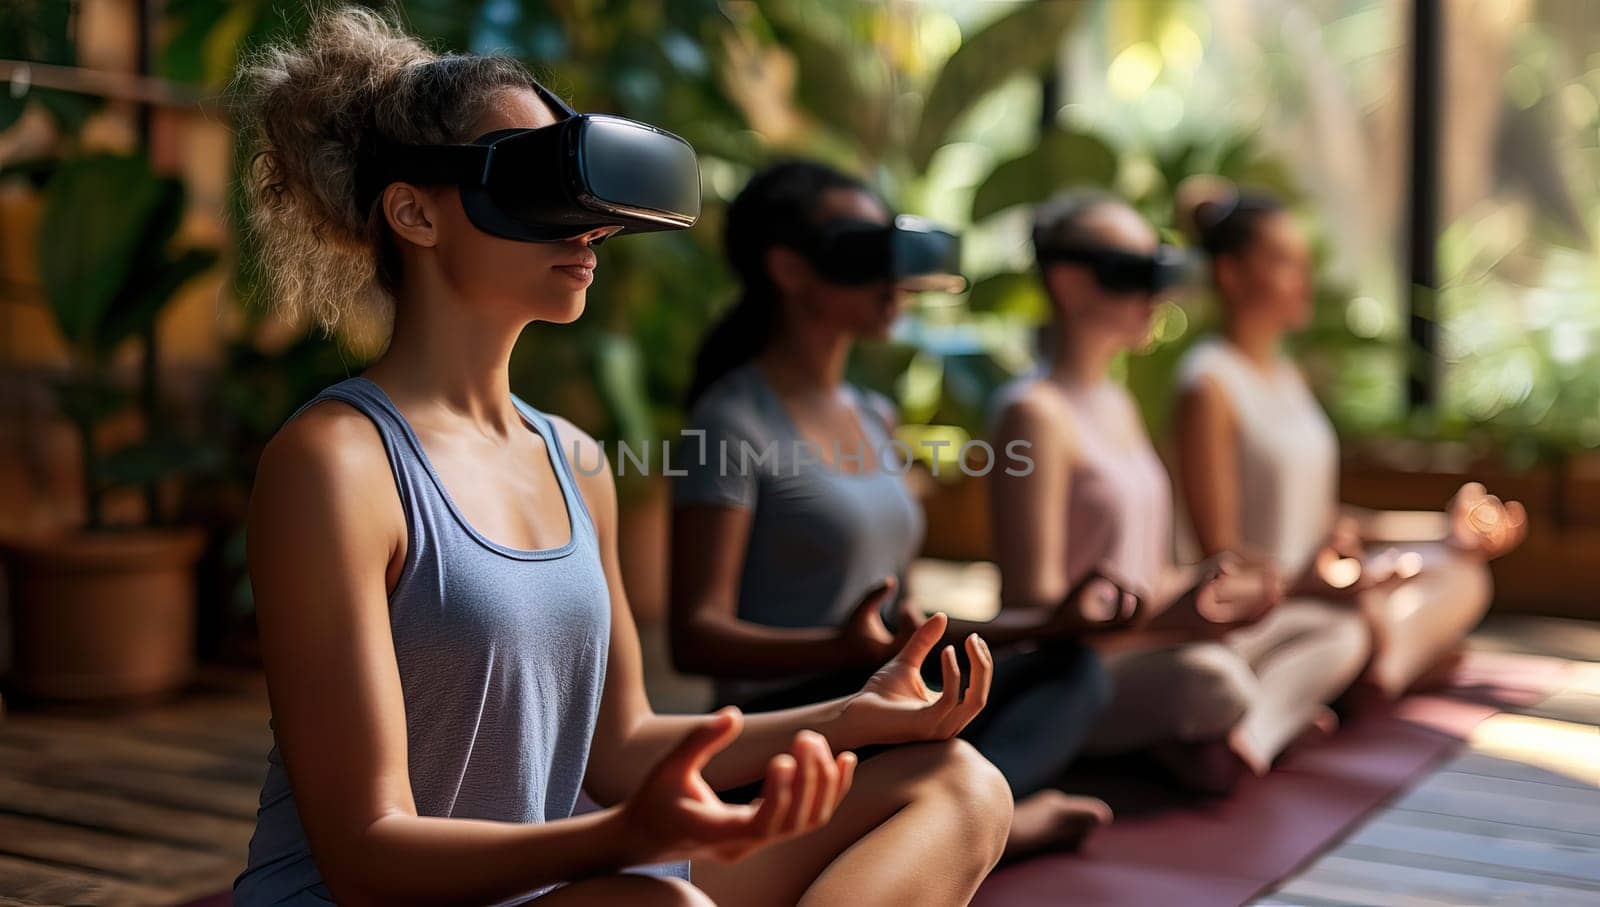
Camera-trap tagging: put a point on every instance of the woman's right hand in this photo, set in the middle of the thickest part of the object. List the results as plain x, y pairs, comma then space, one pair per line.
1098, 602
1228, 593
867, 637
675, 815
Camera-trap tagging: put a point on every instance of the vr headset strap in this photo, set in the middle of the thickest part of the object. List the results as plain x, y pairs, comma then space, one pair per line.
426, 165
434, 164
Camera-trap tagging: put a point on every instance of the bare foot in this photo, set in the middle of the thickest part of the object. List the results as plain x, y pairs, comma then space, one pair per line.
1053, 822
1322, 725
1325, 722
1211, 767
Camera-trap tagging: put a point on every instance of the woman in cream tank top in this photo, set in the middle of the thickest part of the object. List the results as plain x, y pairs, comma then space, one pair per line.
1288, 456
1260, 460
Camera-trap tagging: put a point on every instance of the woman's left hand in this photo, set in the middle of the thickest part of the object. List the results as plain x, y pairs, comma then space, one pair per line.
896, 706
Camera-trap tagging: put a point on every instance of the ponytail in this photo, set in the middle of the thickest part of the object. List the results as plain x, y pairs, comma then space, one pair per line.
775, 208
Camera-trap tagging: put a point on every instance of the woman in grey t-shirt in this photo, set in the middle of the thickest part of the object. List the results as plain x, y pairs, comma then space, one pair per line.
793, 525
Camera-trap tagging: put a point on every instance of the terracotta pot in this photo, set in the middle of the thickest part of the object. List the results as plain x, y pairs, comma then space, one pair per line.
103, 615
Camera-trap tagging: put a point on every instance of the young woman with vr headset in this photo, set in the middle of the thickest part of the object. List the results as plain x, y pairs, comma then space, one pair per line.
1216, 677
1260, 461
788, 576
449, 650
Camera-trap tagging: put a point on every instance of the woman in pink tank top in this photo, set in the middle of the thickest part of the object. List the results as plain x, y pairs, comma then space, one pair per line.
1260, 459
1219, 677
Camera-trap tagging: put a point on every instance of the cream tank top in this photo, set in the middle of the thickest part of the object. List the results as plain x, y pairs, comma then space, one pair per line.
1288, 452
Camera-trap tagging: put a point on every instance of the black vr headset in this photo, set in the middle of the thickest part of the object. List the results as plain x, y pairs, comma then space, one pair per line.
909, 252
1122, 271
584, 172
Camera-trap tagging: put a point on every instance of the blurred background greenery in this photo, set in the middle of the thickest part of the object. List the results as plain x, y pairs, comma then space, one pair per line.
962, 111
968, 111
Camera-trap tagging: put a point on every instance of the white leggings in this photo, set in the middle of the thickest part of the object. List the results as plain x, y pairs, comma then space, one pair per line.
1269, 680
1419, 622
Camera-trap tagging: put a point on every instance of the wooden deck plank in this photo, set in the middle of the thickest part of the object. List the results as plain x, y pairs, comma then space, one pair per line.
1477, 763
1499, 807
135, 783
1489, 829
34, 883
116, 855
1368, 881
1585, 797
1571, 867
79, 740
217, 834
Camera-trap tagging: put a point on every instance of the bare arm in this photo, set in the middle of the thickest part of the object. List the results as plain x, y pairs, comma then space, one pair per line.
1029, 512
707, 635
326, 537
1209, 466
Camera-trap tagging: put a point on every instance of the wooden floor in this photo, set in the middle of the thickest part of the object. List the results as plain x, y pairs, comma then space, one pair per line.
151, 807
156, 806
1513, 819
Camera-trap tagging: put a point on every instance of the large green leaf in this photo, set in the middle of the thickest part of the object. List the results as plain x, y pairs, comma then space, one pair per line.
41, 31
1021, 41
208, 37
141, 302
1013, 293
619, 377
1061, 160
159, 457
95, 215
847, 91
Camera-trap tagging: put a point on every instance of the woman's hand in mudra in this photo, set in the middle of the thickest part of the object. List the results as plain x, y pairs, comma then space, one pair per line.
1228, 592
675, 815
864, 634
1485, 524
896, 706
1099, 602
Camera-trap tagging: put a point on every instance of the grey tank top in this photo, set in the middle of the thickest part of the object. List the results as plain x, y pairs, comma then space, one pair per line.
502, 656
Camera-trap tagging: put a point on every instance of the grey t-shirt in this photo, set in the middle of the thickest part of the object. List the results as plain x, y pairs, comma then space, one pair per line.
820, 538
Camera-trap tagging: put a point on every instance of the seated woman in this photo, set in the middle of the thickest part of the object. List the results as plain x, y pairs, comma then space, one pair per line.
1260, 462
779, 567
448, 647
1217, 681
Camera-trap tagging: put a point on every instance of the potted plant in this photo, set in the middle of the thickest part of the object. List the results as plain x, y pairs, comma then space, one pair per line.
107, 612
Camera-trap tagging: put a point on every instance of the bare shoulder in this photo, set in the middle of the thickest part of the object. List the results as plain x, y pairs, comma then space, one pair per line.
586, 458
574, 439
331, 445
1204, 398
1032, 409
325, 501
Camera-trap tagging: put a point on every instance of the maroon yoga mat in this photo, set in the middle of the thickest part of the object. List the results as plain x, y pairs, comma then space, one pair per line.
1164, 848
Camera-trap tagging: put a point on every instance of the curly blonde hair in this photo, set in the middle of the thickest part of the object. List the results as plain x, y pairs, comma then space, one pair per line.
307, 111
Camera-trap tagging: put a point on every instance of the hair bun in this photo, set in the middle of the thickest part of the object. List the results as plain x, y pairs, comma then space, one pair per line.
1201, 202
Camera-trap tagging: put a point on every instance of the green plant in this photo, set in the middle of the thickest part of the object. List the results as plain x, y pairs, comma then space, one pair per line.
40, 31
108, 270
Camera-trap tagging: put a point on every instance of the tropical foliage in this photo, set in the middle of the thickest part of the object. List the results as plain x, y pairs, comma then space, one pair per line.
108, 270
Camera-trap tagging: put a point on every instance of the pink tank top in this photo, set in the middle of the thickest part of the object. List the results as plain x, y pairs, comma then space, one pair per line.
1120, 509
